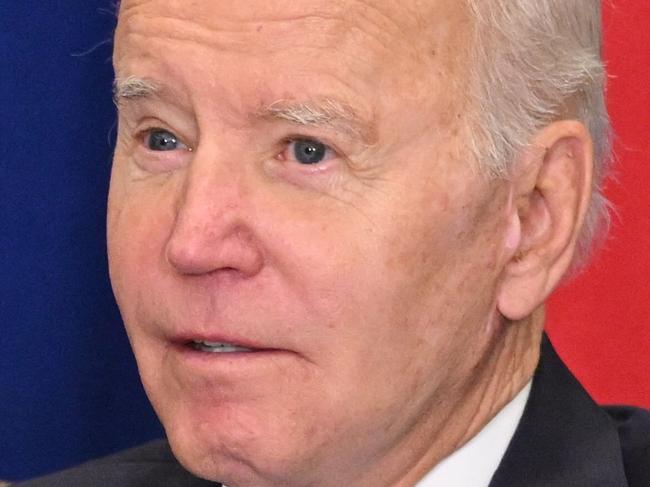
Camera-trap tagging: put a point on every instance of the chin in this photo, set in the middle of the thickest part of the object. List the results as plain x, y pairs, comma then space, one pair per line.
207, 451
229, 446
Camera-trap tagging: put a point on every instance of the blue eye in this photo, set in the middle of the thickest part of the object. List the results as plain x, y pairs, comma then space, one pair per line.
162, 140
308, 151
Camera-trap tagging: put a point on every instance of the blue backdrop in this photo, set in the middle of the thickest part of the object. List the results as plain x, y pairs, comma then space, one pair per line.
69, 388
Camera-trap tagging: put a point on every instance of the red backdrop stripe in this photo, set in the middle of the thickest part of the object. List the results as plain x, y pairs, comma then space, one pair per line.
600, 322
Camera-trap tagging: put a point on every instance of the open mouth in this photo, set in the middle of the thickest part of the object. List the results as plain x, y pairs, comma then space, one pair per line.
218, 347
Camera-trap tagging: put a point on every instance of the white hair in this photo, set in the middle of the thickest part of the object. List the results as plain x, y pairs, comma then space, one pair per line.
534, 62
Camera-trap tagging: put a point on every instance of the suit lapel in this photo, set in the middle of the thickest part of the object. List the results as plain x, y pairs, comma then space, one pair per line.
564, 438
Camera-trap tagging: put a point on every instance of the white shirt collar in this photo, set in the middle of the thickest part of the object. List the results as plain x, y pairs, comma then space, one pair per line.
475, 462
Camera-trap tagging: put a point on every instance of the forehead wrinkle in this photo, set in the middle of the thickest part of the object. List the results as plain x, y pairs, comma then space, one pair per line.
225, 34
326, 112
328, 24
234, 13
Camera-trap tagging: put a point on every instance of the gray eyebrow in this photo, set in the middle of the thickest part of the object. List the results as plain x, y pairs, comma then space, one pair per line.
327, 112
132, 87
323, 112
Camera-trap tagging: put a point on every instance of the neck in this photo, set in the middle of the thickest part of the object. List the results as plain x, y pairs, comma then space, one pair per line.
507, 362
509, 365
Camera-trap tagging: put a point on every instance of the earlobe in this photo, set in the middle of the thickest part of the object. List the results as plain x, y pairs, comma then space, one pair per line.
551, 186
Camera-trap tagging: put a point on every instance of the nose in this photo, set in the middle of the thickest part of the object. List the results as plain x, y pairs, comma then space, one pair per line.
213, 227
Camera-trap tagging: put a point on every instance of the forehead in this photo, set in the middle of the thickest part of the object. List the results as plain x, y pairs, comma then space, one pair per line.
399, 13
259, 51
408, 26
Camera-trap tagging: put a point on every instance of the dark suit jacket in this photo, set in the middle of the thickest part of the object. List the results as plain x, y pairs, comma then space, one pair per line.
563, 440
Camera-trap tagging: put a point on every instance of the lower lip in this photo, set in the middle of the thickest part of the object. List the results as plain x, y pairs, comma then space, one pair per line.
220, 362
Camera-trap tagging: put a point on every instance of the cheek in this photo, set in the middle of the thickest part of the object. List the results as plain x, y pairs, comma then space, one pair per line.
433, 275
138, 227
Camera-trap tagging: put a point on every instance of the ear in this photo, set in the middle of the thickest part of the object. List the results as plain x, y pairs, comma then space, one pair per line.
550, 194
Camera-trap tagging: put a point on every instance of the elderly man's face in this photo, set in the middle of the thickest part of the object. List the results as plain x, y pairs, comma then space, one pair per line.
297, 187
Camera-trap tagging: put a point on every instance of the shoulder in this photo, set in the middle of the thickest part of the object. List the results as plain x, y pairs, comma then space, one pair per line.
146, 465
565, 439
633, 427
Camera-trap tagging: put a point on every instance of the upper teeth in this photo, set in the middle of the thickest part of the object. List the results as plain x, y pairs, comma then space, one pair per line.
218, 347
